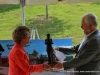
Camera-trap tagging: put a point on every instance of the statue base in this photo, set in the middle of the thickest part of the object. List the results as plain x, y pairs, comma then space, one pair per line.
52, 64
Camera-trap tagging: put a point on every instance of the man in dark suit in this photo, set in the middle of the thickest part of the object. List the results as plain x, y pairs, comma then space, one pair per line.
87, 58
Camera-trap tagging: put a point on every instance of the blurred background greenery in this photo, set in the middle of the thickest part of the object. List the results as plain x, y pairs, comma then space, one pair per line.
64, 20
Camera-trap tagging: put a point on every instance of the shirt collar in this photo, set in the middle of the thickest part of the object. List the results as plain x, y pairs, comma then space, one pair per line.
89, 34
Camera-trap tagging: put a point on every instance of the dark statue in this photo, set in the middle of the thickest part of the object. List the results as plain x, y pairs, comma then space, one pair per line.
49, 49
1, 50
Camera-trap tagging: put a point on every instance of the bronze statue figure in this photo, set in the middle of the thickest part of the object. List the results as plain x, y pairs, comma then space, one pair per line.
49, 49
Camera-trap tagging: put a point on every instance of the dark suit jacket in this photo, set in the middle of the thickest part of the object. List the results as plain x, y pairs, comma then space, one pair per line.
87, 60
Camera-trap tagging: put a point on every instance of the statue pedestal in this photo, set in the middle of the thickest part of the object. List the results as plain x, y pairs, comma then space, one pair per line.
52, 64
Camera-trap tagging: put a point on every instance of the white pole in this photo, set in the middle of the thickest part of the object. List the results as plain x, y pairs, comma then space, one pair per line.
37, 34
23, 12
32, 34
23, 16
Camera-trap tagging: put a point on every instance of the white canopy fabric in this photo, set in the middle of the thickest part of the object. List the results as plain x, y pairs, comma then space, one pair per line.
29, 2
81, 1
40, 2
43, 2
9, 1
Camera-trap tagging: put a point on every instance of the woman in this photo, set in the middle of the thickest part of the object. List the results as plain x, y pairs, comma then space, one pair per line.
18, 60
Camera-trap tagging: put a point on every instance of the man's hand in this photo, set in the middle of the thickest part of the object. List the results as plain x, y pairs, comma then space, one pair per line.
59, 65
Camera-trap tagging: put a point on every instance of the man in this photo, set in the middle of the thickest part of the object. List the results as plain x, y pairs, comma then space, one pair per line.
87, 58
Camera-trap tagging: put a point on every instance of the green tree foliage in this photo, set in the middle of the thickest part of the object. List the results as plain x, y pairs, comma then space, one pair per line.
34, 53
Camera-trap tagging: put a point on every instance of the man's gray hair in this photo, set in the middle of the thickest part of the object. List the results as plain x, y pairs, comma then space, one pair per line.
90, 18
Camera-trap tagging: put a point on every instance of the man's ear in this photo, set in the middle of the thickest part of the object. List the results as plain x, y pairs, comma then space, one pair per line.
92, 27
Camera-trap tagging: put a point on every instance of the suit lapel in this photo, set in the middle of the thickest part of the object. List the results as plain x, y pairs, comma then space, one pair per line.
82, 47
85, 42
